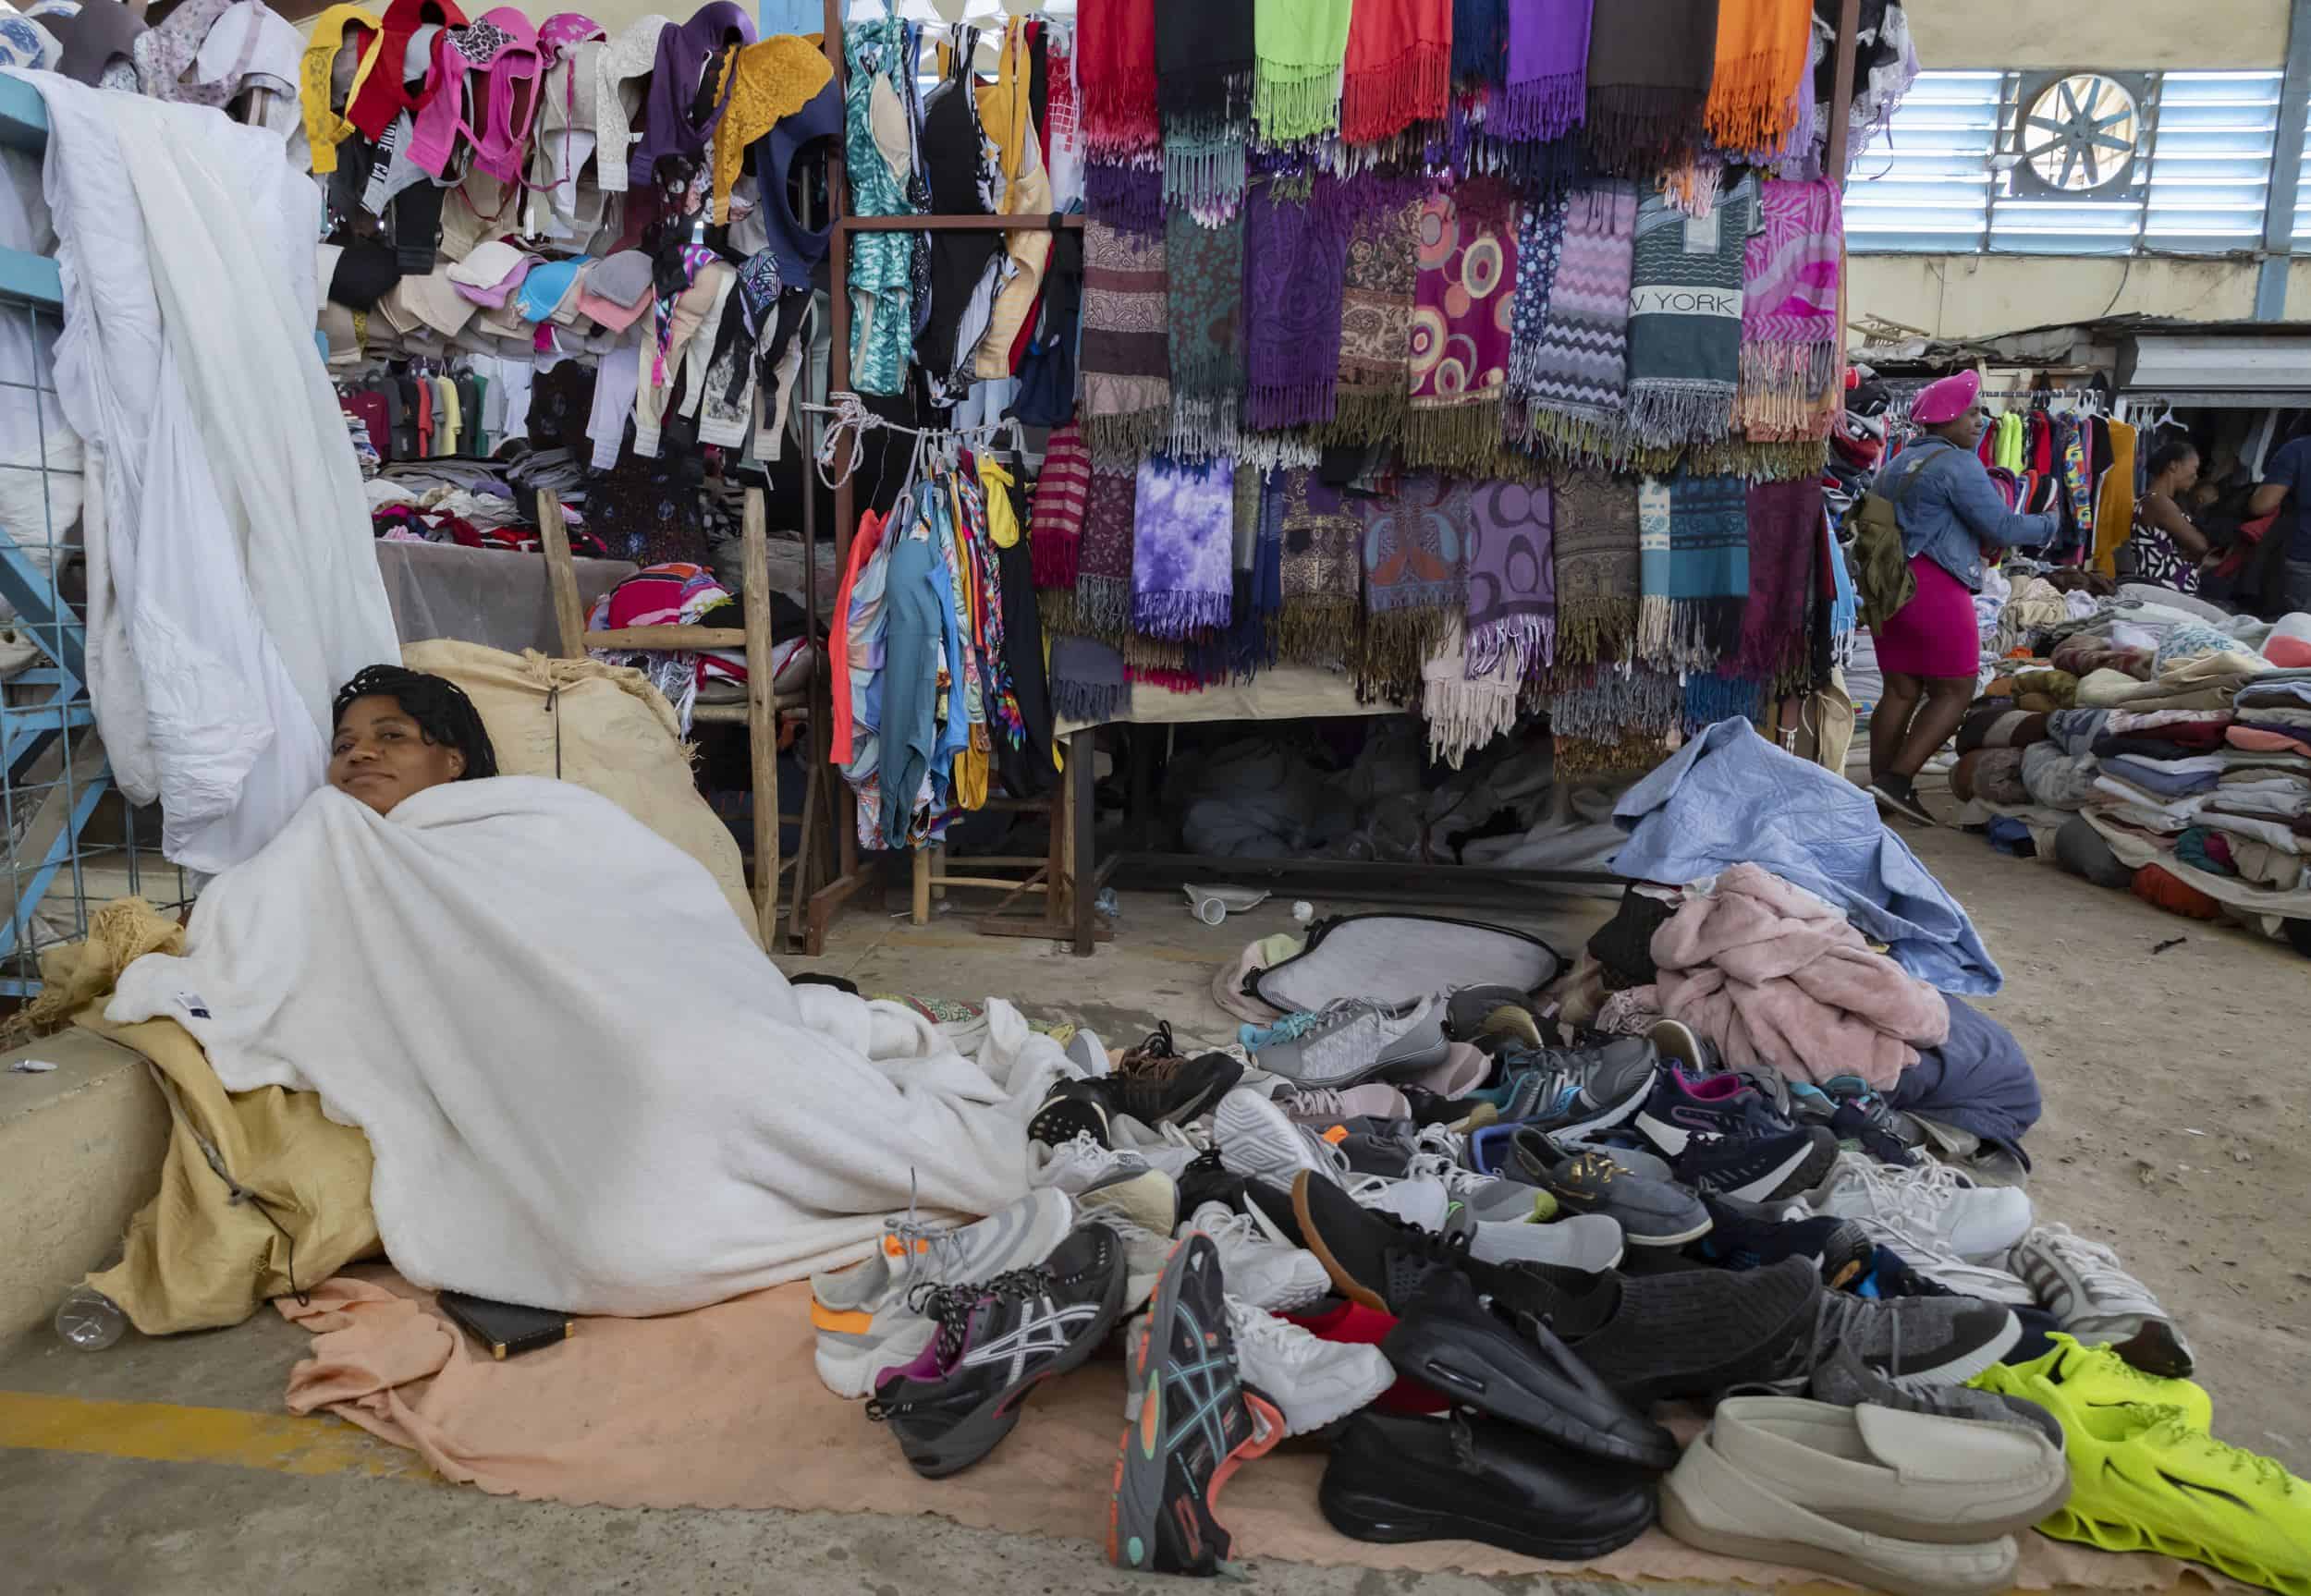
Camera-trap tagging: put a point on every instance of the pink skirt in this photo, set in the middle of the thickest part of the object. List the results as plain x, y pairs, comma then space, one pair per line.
1934, 634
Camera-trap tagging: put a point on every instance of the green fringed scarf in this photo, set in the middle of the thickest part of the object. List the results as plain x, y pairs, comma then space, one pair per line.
1301, 48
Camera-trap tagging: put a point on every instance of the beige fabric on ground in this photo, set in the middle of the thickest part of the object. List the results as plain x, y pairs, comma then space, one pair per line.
612, 734
720, 1408
193, 1258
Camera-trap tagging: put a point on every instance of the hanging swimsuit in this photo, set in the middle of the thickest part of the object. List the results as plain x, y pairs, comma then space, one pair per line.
763, 84
505, 45
386, 94
164, 55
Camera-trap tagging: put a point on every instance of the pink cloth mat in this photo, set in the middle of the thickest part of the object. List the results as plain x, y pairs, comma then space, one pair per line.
720, 1407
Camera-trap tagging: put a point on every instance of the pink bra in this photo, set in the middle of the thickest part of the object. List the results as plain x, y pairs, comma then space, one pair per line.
503, 44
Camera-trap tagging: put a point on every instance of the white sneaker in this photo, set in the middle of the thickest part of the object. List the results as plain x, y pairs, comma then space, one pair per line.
1149, 1198
1354, 1039
1312, 1382
1080, 1163
1419, 1200
861, 1313
1145, 1252
2083, 1283
1590, 1242
1933, 1200
1279, 1278
1256, 1138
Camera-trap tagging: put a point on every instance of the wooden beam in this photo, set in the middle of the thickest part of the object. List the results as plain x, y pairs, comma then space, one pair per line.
666, 637
561, 578
761, 715
1841, 93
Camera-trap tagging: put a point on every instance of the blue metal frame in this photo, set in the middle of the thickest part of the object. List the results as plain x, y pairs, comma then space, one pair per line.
46, 618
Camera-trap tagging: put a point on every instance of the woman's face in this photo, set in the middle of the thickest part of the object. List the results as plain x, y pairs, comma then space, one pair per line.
1964, 431
380, 757
2182, 476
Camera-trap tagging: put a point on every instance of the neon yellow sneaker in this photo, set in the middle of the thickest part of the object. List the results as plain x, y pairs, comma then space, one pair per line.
2074, 1380
2144, 1479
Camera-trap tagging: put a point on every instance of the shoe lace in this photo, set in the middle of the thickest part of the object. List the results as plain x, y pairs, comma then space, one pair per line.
1457, 1182
1156, 1045
1082, 1154
1321, 1100
1896, 1195
1235, 1230
2097, 1264
953, 1305
2173, 1428
1257, 1328
1440, 1142
1835, 1318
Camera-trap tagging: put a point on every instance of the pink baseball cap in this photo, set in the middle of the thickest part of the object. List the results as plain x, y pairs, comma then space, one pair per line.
1946, 400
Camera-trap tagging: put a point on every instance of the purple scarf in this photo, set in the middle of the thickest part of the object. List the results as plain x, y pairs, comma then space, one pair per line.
1183, 540
1512, 578
1549, 61
1295, 265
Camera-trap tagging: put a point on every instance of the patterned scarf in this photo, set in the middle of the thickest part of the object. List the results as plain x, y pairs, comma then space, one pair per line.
1546, 93
1128, 198
1685, 319
1460, 343
1399, 68
1182, 544
1203, 68
1480, 42
1575, 372
1694, 565
1115, 64
1785, 527
1295, 260
1790, 345
1375, 378
1648, 78
1595, 525
1762, 45
1103, 577
1087, 681
1301, 46
1323, 571
1415, 585
1205, 277
1126, 356
1513, 581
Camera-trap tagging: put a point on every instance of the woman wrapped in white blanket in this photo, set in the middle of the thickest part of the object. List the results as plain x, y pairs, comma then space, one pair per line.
585, 1088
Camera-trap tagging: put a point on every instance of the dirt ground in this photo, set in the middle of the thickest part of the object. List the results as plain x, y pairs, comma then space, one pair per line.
2176, 1124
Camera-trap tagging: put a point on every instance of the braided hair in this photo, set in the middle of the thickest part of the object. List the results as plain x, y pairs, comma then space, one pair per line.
443, 713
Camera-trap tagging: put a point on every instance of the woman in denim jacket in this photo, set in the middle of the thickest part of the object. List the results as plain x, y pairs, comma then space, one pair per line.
1951, 514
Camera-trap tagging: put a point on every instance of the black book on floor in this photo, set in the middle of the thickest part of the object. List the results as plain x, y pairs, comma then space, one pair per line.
505, 1328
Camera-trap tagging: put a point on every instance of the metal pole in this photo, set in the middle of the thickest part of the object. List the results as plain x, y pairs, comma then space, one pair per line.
2279, 200
1842, 95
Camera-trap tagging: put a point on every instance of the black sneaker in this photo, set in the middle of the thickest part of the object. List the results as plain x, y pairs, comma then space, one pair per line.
1207, 1179
1742, 1236
1162, 1090
1450, 1342
1692, 1333
1845, 1380
1867, 1124
1071, 1108
1461, 1114
1394, 1479
995, 1342
1193, 1423
1270, 1206
1373, 1258
1757, 1168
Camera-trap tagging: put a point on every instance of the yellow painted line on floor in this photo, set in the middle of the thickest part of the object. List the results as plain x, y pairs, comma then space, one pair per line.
165, 1432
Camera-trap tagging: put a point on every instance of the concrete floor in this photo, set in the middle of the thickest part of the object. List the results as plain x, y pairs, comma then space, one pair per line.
106, 1486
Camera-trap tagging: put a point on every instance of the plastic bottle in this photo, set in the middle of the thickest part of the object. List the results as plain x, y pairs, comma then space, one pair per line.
90, 1320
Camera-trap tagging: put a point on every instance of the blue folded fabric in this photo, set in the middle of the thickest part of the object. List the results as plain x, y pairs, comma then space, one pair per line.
544, 287
2156, 775
1978, 1081
1731, 797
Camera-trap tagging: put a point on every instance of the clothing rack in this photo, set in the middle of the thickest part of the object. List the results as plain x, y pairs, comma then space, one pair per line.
759, 714
1068, 896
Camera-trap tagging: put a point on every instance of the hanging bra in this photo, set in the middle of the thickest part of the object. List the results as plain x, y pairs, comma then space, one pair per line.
764, 83
503, 43
797, 249
165, 54
324, 129
385, 94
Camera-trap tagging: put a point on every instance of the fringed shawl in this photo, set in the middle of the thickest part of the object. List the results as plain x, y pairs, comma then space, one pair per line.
1685, 319
1295, 261
1761, 48
1461, 325
1597, 582
1203, 278
1399, 68
1115, 64
1300, 46
1693, 565
1648, 79
1574, 377
1790, 335
1126, 388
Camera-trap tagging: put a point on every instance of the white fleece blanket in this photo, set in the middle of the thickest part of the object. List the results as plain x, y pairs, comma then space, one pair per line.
585, 1088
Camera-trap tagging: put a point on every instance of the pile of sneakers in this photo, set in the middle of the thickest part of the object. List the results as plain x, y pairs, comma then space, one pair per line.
1472, 1262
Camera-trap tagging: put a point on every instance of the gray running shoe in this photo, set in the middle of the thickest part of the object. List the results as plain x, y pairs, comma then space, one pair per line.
1355, 1039
1911, 1340
1650, 1213
1581, 1090
1845, 1379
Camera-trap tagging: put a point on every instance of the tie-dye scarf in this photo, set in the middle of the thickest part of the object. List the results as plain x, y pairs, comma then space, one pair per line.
1182, 546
